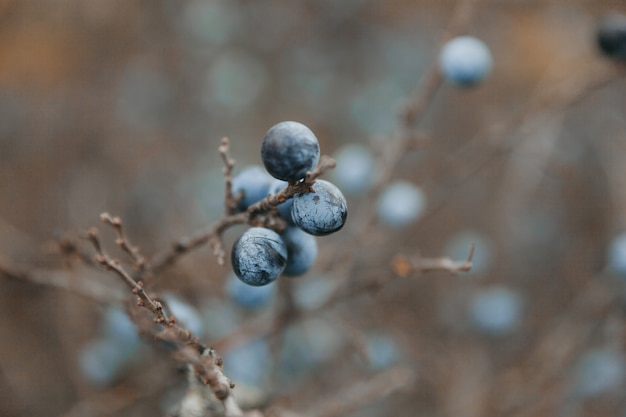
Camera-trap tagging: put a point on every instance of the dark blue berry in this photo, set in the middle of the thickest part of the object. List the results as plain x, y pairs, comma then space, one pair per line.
321, 212
252, 184
612, 35
284, 209
247, 296
259, 256
301, 251
289, 151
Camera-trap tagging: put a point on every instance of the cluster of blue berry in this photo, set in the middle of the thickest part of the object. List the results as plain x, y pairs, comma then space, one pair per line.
260, 255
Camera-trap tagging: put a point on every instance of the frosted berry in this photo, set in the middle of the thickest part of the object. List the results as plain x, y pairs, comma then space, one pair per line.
289, 151
258, 256
301, 251
321, 212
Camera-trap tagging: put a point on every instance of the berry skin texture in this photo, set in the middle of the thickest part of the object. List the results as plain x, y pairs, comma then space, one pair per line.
465, 61
284, 209
401, 203
289, 151
611, 36
301, 251
322, 212
259, 256
253, 183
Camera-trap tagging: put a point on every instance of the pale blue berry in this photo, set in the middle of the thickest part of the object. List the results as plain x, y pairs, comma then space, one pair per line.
400, 204
465, 61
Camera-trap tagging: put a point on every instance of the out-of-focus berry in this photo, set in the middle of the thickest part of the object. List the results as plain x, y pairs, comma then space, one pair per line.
465, 61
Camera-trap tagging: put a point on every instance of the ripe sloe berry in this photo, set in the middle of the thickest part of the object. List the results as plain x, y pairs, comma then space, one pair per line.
289, 151
322, 212
247, 296
301, 251
465, 61
259, 256
496, 310
612, 35
284, 209
253, 183
355, 169
401, 203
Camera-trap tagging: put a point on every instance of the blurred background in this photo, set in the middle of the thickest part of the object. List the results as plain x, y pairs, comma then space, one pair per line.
119, 106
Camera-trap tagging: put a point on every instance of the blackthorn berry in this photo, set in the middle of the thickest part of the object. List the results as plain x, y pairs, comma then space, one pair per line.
381, 351
617, 255
465, 61
401, 203
312, 293
289, 151
185, 313
321, 212
249, 364
259, 256
284, 209
307, 345
600, 371
612, 35
301, 251
117, 325
247, 296
496, 310
354, 173
253, 183
101, 360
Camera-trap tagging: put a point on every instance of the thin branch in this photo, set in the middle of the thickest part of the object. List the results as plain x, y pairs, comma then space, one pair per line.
205, 362
404, 266
70, 249
230, 201
122, 241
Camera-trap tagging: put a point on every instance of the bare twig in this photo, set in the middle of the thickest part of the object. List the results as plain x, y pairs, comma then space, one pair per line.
205, 362
403, 266
69, 248
139, 261
230, 201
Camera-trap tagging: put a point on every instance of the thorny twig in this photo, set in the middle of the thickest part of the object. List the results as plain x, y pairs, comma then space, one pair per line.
205, 362
230, 200
122, 241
